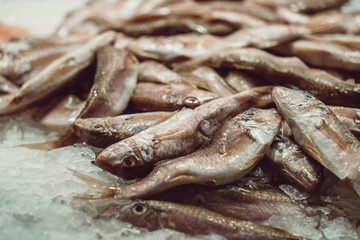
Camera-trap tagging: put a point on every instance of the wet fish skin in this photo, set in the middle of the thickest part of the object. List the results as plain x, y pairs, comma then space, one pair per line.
292, 163
181, 134
241, 80
320, 134
291, 72
102, 132
154, 215
58, 74
7, 86
152, 71
234, 150
349, 117
115, 81
160, 97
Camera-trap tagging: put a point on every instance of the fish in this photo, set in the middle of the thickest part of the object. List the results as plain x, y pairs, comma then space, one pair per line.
320, 134
104, 131
115, 80
154, 215
164, 97
152, 71
7, 86
349, 117
351, 41
57, 75
294, 165
306, 6
322, 53
179, 135
240, 80
285, 71
234, 150
61, 117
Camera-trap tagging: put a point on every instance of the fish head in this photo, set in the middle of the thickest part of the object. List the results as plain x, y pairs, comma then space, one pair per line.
94, 131
138, 213
121, 160
290, 101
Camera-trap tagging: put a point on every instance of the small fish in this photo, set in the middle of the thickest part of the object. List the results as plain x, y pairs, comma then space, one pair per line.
307, 6
63, 114
163, 97
293, 164
290, 71
115, 81
322, 53
152, 71
320, 134
181, 134
234, 150
351, 41
57, 75
241, 80
154, 215
102, 132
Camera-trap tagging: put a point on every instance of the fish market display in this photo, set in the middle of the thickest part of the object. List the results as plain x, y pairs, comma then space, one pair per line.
203, 119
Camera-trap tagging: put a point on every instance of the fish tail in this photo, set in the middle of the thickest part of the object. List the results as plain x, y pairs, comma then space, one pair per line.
39, 146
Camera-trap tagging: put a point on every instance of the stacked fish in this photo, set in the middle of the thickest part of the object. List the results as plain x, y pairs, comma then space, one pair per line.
202, 94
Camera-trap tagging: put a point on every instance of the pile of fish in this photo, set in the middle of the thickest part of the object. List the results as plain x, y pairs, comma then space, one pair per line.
201, 108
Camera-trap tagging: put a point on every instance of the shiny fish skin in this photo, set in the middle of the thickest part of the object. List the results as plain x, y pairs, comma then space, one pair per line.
102, 132
320, 134
241, 80
154, 215
349, 117
115, 81
294, 165
57, 75
151, 71
160, 97
290, 72
181, 134
234, 150
323, 54
7, 87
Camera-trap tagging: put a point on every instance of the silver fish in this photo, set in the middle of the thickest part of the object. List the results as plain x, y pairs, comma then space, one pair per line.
320, 134
181, 134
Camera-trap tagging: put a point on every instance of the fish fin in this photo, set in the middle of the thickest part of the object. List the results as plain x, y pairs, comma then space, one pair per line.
39, 146
182, 179
96, 183
96, 197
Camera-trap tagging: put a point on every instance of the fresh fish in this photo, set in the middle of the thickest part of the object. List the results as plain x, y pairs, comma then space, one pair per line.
347, 40
320, 134
102, 132
324, 54
26, 64
349, 117
215, 83
57, 75
171, 25
154, 215
151, 71
337, 22
115, 81
160, 97
241, 80
290, 72
63, 114
308, 6
235, 149
7, 87
181, 134
293, 164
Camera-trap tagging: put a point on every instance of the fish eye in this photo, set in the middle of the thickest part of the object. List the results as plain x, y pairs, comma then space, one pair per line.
308, 96
97, 126
139, 208
191, 102
128, 162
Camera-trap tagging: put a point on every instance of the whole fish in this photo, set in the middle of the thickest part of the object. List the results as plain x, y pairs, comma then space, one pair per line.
154, 215
163, 97
293, 164
234, 150
290, 72
115, 81
181, 134
102, 132
323, 54
320, 134
58, 74
307, 6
